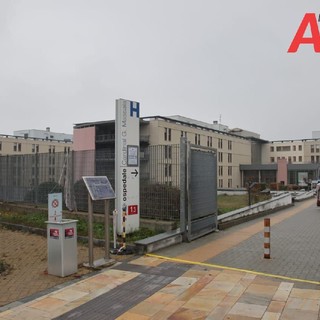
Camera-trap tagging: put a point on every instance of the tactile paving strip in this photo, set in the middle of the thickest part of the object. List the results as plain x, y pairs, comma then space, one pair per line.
122, 298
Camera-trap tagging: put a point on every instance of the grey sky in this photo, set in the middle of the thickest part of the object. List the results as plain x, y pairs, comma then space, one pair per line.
66, 61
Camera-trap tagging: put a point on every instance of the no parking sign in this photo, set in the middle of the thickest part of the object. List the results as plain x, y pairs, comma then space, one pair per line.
55, 207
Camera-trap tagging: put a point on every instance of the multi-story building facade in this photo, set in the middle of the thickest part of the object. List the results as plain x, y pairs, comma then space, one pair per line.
287, 162
26, 162
25, 144
232, 150
242, 156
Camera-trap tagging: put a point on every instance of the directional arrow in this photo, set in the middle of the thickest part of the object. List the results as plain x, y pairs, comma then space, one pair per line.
135, 172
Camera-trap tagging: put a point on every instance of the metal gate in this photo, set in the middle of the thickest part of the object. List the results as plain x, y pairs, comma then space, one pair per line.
198, 185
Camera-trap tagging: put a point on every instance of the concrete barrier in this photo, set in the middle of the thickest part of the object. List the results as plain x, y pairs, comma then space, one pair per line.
277, 202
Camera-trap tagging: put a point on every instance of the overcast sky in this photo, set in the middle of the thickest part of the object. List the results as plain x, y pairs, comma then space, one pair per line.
64, 62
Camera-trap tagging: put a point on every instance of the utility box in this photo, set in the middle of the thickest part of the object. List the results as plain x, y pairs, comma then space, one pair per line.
62, 247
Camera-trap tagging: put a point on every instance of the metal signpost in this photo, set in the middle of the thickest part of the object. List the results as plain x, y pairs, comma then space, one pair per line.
99, 188
62, 239
127, 165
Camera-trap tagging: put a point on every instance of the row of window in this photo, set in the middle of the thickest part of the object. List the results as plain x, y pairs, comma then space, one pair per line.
220, 171
315, 148
290, 159
285, 148
220, 183
220, 157
197, 139
314, 159
17, 147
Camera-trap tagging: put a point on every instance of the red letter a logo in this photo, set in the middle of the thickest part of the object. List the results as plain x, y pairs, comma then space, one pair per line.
308, 19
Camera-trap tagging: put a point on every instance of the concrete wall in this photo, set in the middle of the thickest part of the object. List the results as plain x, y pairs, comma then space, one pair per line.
277, 202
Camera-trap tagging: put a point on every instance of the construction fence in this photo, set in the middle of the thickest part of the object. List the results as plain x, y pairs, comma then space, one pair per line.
30, 178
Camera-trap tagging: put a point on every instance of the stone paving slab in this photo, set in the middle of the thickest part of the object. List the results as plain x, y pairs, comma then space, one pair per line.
201, 291
295, 249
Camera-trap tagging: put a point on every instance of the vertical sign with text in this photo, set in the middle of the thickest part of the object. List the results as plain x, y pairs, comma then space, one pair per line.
127, 164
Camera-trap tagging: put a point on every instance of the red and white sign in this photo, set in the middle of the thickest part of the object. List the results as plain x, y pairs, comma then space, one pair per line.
69, 232
55, 207
54, 233
133, 209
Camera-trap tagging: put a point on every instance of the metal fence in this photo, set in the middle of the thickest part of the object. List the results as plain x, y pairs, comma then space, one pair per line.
29, 179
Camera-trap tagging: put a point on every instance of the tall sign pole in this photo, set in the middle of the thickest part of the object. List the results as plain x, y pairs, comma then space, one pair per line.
127, 169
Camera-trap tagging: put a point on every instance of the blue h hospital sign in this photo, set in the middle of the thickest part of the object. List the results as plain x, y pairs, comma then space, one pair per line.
134, 109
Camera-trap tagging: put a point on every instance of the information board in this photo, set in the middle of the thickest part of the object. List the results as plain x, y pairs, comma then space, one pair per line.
99, 187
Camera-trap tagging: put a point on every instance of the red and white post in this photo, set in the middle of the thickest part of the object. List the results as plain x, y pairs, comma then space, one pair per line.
267, 238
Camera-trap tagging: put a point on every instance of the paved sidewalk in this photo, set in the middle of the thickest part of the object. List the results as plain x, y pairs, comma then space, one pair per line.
185, 282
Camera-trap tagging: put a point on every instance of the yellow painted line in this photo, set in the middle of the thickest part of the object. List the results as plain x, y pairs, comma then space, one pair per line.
232, 269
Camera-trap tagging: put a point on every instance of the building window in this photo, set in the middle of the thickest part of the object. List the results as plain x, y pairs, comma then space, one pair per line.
317, 148
197, 139
220, 143
168, 152
229, 157
220, 171
17, 146
209, 142
272, 159
229, 145
300, 158
294, 159
0, 146
312, 159
183, 133
220, 157
229, 183
294, 148
317, 159
167, 170
271, 149
167, 134
229, 171
289, 159
312, 148
300, 147
220, 183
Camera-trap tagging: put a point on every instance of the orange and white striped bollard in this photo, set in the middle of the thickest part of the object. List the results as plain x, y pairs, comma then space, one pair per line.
267, 238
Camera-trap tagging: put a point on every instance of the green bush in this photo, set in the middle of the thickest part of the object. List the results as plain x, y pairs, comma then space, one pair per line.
159, 201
